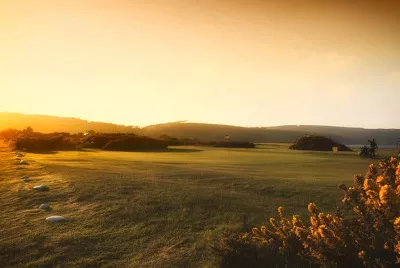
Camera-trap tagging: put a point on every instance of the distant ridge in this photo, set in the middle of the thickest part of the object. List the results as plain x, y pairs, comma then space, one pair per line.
202, 131
47, 124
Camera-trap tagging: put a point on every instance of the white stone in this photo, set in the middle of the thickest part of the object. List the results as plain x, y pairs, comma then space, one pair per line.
23, 162
41, 188
55, 218
44, 206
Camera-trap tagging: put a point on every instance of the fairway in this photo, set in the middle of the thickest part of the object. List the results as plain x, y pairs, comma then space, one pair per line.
156, 209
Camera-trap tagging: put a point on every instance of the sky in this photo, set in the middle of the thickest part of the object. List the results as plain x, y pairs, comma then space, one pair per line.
243, 62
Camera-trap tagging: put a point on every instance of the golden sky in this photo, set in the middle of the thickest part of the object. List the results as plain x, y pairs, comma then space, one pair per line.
247, 62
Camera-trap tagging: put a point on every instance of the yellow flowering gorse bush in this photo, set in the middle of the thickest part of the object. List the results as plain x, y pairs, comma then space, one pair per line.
368, 238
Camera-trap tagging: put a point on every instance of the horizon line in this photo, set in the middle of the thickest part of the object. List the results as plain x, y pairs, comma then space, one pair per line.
193, 122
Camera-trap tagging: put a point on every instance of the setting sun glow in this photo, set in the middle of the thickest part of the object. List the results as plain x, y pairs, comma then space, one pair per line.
249, 63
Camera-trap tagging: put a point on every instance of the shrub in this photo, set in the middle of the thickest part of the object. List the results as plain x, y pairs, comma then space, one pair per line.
122, 142
135, 143
370, 237
44, 143
171, 140
317, 143
98, 141
9, 134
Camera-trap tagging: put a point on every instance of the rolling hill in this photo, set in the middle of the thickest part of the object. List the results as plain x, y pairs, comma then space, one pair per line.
208, 132
47, 124
203, 132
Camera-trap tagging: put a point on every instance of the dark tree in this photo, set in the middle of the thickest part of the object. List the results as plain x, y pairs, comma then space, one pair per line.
373, 148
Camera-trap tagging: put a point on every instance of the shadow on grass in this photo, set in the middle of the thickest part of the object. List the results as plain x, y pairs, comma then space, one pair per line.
166, 150
51, 151
41, 152
181, 150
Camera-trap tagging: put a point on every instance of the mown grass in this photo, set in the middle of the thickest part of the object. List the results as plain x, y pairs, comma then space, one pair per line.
156, 209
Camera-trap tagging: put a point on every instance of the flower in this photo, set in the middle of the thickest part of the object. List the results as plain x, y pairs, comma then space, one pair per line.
300, 232
314, 221
312, 208
361, 254
369, 184
396, 224
379, 179
296, 221
263, 229
386, 194
280, 211
323, 231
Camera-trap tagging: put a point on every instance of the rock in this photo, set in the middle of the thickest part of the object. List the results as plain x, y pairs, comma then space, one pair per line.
55, 218
22, 162
44, 207
26, 177
18, 158
41, 188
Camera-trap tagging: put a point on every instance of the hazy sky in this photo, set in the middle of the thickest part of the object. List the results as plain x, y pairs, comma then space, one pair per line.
249, 63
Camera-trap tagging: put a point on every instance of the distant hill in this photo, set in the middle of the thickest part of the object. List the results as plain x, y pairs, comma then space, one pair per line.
47, 124
348, 135
202, 132
212, 132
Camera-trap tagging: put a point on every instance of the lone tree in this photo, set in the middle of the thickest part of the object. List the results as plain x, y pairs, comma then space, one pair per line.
374, 146
369, 151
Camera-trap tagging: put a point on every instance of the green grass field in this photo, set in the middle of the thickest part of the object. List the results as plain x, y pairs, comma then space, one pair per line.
156, 209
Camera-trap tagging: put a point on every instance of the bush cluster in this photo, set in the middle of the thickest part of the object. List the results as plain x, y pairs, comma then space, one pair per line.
135, 143
31, 141
98, 140
317, 143
369, 236
45, 142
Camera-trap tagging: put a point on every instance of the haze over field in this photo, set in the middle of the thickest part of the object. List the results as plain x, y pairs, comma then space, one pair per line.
244, 62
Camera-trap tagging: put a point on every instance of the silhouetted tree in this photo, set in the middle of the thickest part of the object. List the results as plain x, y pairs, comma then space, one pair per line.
369, 151
373, 148
27, 130
8, 134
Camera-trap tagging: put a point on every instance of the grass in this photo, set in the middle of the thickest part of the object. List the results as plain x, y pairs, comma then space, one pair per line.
155, 209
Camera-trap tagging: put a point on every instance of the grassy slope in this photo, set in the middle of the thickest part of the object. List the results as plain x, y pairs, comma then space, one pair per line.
155, 209
47, 124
